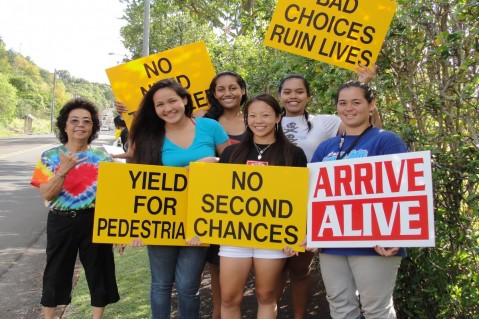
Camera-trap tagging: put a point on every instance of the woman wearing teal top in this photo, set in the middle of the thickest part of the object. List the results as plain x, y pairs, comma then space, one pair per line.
163, 133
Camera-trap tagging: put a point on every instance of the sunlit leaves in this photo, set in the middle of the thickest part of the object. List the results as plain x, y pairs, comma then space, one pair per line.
8, 100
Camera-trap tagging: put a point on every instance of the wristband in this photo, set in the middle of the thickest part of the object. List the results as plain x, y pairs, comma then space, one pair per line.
61, 175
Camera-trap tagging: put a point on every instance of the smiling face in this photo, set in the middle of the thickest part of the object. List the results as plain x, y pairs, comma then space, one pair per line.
262, 121
353, 109
169, 106
79, 125
228, 92
294, 96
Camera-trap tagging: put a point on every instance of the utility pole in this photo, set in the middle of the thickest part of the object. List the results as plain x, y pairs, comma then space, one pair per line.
146, 29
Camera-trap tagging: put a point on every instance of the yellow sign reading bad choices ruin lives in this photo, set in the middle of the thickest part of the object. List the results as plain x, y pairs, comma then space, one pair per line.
248, 205
146, 202
343, 33
190, 65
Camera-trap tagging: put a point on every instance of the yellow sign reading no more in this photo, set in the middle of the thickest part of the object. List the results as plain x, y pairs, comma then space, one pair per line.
190, 65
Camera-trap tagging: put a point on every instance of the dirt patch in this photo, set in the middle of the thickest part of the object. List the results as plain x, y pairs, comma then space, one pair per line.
317, 306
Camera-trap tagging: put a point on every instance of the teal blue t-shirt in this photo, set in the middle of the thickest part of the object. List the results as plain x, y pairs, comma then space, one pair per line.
208, 135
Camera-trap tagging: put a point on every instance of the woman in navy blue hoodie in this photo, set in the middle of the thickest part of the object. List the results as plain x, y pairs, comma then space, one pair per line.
370, 271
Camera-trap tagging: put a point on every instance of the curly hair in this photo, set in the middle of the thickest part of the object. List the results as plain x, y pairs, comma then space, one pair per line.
65, 112
216, 109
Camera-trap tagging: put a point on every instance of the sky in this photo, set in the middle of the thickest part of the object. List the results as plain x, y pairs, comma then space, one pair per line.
72, 35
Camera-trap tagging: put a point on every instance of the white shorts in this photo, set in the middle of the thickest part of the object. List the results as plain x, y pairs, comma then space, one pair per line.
244, 252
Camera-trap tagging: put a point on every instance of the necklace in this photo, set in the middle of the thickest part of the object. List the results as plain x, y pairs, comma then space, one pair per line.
261, 151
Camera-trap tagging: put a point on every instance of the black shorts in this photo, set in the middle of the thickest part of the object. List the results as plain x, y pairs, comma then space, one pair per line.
299, 267
212, 256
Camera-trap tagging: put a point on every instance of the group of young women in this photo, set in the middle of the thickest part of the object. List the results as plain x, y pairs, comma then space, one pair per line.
242, 131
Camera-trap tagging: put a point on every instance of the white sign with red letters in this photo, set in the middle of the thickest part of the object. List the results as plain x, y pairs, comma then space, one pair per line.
379, 200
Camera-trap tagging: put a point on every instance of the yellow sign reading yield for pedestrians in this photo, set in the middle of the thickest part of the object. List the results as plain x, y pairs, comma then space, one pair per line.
146, 202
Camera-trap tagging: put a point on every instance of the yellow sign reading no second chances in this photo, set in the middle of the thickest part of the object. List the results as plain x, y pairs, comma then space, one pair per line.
247, 205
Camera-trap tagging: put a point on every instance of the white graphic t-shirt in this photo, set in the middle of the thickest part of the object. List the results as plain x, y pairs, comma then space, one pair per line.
323, 127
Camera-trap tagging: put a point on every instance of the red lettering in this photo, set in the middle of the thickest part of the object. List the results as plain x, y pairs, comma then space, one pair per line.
394, 183
342, 178
363, 176
412, 174
372, 178
323, 183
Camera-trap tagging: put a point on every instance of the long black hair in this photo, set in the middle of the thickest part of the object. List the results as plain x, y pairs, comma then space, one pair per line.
147, 132
308, 92
279, 152
63, 118
216, 109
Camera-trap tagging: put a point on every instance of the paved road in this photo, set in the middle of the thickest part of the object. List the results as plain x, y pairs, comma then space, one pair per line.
22, 225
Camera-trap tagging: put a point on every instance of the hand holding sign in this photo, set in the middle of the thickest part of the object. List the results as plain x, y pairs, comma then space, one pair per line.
386, 252
366, 74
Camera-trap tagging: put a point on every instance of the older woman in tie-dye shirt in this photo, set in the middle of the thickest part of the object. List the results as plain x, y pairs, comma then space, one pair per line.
67, 178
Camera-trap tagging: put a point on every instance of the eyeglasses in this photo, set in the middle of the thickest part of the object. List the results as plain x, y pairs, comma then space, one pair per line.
76, 122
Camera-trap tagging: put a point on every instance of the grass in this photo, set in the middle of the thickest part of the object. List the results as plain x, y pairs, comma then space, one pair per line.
17, 127
133, 278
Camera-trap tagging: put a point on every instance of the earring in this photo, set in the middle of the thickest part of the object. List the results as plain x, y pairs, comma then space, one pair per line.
276, 127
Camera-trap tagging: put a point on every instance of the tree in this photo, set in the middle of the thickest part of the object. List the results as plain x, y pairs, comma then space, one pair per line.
5, 67
29, 88
170, 27
8, 100
429, 82
234, 17
30, 99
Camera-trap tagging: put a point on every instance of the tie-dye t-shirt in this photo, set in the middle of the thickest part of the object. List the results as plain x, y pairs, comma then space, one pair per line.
79, 186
